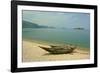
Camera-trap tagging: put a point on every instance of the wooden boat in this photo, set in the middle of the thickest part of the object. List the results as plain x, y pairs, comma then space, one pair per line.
59, 49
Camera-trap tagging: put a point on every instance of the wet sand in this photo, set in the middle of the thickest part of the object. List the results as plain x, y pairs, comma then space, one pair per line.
32, 52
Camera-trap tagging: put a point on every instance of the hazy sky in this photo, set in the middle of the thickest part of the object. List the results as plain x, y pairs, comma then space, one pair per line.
58, 19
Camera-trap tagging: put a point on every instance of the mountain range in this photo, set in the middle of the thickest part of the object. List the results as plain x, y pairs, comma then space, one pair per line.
27, 24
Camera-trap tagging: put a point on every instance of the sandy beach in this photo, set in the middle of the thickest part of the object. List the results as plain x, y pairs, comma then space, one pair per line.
32, 52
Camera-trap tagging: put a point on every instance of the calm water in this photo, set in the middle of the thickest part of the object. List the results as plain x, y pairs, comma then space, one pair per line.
63, 36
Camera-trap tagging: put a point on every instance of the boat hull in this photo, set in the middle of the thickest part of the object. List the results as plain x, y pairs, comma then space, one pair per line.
57, 51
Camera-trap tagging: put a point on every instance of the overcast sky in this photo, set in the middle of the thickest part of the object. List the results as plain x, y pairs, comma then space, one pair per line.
58, 19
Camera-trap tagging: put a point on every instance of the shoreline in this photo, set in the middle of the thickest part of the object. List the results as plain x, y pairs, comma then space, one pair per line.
31, 52
55, 43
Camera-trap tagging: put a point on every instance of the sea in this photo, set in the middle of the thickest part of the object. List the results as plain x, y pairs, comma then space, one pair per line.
77, 37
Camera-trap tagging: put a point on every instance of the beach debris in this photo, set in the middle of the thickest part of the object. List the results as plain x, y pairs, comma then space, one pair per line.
59, 49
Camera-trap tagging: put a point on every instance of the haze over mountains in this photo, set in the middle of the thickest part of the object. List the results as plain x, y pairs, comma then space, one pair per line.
26, 24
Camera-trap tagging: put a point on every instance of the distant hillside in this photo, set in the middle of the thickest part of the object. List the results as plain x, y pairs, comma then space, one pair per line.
26, 24
79, 28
